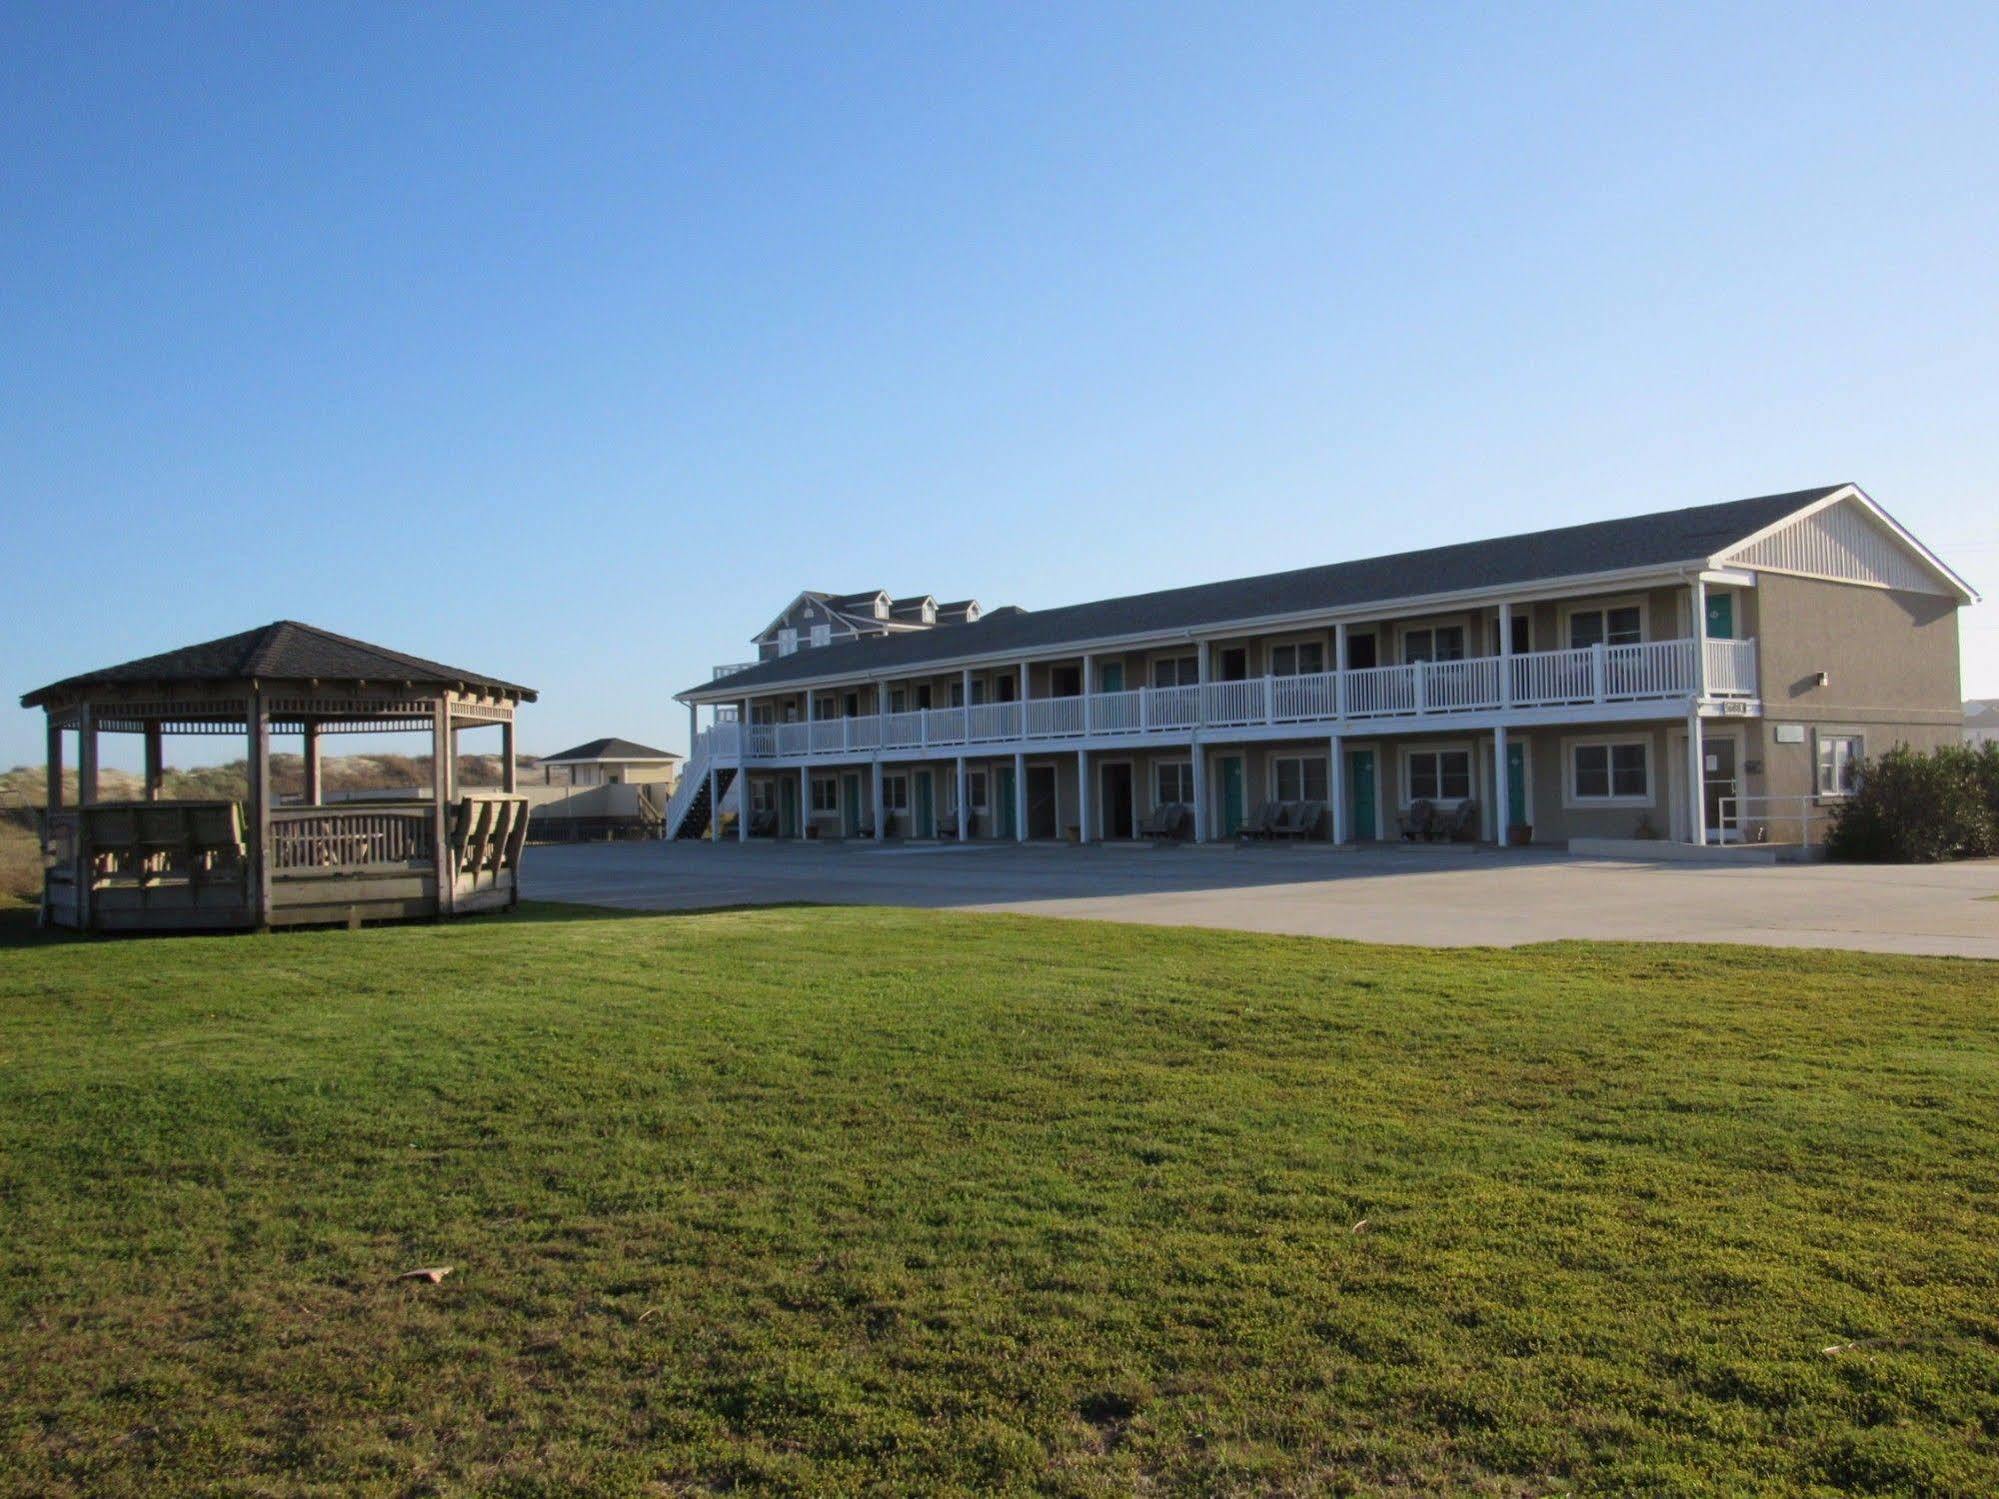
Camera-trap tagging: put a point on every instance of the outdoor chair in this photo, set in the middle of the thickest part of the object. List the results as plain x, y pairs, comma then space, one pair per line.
1263, 822
1166, 821
1418, 821
947, 825
1301, 820
763, 823
1459, 825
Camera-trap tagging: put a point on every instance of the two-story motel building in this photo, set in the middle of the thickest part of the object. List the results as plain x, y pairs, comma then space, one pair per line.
1696, 675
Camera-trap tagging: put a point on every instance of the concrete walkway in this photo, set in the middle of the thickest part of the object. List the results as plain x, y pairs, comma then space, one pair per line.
1427, 896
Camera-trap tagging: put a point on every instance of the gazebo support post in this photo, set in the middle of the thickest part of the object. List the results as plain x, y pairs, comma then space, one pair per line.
311, 757
440, 800
509, 775
54, 789
155, 770
86, 756
260, 811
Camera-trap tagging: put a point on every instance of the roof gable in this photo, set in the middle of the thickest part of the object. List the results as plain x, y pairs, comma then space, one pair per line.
609, 749
1847, 538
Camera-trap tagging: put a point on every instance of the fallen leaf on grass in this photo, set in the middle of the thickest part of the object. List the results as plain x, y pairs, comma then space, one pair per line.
431, 1273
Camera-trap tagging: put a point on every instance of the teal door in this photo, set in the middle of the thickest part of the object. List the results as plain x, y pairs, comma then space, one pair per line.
850, 804
1516, 784
926, 826
1110, 677
1360, 795
1003, 799
1721, 616
1231, 796
787, 803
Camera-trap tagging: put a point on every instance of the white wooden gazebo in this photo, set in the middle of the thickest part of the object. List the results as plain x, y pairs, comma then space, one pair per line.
154, 864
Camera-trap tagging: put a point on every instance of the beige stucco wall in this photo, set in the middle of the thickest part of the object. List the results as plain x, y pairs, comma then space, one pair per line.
1891, 661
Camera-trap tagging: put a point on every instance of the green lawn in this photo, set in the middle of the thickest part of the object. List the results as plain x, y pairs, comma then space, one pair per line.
818, 1200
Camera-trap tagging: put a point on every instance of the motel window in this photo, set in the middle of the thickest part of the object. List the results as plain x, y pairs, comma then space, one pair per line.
975, 789
958, 693
822, 634
978, 690
1840, 759
1438, 775
1610, 772
1521, 632
1302, 659
1005, 687
1437, 643
763, 796
825, 794
1174, 782
1299, 778
898, 700
1361, 651
895, 793
1622, 625
923, 695
1176, 671
1232, 664
1065, 681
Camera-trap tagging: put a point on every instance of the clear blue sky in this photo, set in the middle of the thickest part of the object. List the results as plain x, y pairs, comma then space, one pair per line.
569, 343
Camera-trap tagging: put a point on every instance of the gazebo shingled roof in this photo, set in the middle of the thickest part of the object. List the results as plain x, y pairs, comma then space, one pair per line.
283, 650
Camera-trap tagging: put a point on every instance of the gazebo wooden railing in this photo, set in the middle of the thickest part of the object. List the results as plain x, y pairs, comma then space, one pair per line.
155, 864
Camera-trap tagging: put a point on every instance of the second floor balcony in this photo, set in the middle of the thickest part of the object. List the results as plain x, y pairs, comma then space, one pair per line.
1663, 670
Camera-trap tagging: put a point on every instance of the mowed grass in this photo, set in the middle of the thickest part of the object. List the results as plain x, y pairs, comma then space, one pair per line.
834, 1200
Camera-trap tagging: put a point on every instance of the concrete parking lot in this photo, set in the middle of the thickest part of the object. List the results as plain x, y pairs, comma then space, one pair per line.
1428, 896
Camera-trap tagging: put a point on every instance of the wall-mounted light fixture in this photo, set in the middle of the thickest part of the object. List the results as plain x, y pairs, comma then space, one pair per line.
1821, 679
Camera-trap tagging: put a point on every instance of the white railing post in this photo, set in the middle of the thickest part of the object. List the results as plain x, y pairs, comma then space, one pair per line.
1422, 689
1340, 670
1700, 639
1506, 654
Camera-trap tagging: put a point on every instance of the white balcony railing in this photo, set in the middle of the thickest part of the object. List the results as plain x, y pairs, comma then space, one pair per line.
1660, 670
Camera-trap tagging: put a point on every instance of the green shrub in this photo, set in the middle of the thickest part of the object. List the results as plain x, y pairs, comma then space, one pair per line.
1916, 808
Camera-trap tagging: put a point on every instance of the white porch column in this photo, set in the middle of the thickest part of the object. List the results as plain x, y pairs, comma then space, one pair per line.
1700, 638
881, 821
968, 702
1696, 776
1340, 666
1505, 656
1023, 697
1200, 791
1083, 808
1020, 798
1500, 797
805, 800
1336, 784
964, 807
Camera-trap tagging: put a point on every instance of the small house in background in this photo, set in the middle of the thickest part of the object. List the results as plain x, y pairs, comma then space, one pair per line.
1981, 721
612, 762
607, 788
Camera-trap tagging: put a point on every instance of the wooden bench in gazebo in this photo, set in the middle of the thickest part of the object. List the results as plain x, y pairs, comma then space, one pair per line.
156, 865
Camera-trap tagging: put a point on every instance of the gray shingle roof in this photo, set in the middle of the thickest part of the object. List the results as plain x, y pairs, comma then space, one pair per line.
611, 749
1661, 539
284, 650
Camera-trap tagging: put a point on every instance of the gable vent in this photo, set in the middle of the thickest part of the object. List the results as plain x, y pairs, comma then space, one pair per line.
1842, 542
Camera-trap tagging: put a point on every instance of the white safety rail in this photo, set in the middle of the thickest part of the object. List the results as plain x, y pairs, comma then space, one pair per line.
1660, 670
1803, 820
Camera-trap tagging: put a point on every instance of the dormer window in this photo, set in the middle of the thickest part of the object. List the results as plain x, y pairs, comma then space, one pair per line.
822, 634
787, 642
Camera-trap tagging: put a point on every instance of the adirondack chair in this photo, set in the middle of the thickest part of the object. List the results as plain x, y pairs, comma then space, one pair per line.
1264, 822
1460, 825
1417, 822
1301, 820
1165, 822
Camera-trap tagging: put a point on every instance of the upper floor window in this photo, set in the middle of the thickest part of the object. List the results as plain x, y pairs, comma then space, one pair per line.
787, 641
1065, 681
898, 700
1232, 664
1433, 643
1299, 659
1361, 651
1176, 671
1840, 757
1522, 633
822, 634
1620, 624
